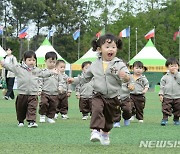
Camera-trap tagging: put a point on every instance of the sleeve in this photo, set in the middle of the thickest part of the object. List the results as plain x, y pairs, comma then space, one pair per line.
146, 82
40, 81
85, 77
12, 68
162, 85
77, 89
177, 77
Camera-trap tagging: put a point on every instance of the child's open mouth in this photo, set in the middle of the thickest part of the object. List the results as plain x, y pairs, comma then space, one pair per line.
110, 54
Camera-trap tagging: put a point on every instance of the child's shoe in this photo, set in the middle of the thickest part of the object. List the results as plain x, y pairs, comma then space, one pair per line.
126, 122
132, 118
95, 136
42, 118
116, 125
51, 121
20, 124
105, 139
140, 121
56, 116
176, 122
85, 117
32, 125
64, 116
164, 122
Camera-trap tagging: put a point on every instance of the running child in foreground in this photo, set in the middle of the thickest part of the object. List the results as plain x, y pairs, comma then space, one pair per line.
108, 73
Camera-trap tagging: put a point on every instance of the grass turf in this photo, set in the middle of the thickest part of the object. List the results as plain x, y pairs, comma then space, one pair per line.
72, 136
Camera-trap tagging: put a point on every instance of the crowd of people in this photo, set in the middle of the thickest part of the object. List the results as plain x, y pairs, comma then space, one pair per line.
105, 88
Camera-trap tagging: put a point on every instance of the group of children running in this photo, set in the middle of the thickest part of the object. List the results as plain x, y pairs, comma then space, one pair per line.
104, 89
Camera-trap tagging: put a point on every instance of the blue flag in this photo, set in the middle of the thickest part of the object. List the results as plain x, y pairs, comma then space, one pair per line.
76, 34
1, 30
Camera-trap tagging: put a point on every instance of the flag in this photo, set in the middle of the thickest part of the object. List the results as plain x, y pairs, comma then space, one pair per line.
23, 33
50, 33
76, 34
100, 33
1, 30
149, 34
125, 32
176, 34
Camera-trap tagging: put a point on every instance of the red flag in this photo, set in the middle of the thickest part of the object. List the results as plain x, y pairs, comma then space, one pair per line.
22, 33
176, 34
100, 33
149, 34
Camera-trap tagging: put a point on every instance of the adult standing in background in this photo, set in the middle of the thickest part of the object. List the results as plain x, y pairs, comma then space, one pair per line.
8, 75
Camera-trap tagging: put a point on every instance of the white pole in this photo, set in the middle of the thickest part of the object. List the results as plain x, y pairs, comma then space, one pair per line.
179, 43
136, 41
129, 45
154, 35
79, 42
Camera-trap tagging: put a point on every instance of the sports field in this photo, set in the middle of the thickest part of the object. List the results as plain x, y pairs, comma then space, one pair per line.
72, 136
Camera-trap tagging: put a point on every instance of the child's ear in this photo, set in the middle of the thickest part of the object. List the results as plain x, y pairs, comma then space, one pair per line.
99, 49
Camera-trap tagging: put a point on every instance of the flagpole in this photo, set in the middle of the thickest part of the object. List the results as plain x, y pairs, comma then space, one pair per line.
129, 46
136, 40
79, 43
179, 43
154, 35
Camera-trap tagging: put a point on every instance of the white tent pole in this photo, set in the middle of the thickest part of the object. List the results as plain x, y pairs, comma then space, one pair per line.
129, 46
179, 43
154, 36
79, 43
136, 41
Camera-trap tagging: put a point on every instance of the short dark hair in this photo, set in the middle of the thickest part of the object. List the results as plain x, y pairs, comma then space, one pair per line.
51, 54
171, 61
138, 64
60, 61
29, 54
85, 63
99, 42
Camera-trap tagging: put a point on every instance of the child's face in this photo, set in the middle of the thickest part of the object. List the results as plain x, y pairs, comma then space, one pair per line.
138, 70
85, 68
108, 50
30, 62
9, 51
61, 67
173, 68
50, 63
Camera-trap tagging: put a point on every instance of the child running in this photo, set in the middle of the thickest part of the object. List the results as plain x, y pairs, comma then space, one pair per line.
84, 94
141, 86
50, 90
62, 106
28, 86
108, 73
169, 92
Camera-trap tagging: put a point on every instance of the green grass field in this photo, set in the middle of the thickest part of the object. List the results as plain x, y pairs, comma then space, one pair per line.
72, 136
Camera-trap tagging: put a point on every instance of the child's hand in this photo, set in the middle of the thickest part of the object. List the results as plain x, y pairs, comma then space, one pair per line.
1, 62
123, 75
55, 71
39, 93
78, 96
68, 94
70, 80
131, 87
161, 98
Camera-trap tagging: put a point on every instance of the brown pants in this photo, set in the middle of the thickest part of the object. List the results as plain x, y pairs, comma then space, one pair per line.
126, 107
103, 111
26, 107
48, 105
85, 105
139, 104
62, 105
169, 107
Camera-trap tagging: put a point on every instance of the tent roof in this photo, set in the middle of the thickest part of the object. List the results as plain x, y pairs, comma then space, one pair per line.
149, 56
90, 55
46, 47
2, 52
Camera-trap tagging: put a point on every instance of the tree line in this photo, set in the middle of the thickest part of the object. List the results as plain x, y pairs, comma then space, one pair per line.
66, 16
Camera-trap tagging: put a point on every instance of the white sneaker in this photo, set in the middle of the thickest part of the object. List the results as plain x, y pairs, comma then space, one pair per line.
56, 116
84, 117
105, 139
32, 125
141, 121
51, 121
95, 136
132, 118
20, 124
42, 118
116, 125
64, 116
